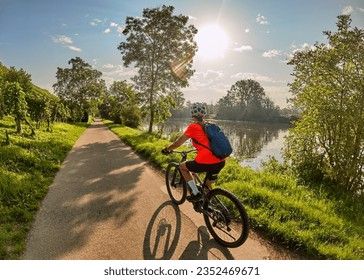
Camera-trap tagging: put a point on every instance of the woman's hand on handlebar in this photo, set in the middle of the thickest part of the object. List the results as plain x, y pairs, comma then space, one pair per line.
165, 151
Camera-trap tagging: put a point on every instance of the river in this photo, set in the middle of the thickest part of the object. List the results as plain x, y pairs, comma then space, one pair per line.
252, 142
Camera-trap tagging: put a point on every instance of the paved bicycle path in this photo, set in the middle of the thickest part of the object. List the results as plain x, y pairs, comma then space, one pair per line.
106, 203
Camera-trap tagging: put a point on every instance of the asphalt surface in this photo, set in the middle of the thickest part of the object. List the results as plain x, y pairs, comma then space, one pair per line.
106, 203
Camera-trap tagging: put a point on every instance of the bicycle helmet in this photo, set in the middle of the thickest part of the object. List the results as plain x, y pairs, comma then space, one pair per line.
198, 109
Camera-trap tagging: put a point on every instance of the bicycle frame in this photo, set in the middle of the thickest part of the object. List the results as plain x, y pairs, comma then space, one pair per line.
200, 184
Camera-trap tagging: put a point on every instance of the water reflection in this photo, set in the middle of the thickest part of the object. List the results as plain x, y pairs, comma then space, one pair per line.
252, 142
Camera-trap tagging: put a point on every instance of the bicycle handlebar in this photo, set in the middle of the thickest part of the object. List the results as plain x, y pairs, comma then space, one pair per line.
184, 152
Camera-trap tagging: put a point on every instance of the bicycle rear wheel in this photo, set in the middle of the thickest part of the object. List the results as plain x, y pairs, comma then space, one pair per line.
176, 185
226, 218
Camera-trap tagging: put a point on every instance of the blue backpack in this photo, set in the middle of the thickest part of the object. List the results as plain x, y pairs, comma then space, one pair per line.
219, 143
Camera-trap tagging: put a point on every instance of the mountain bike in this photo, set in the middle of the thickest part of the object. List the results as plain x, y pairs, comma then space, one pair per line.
224, 214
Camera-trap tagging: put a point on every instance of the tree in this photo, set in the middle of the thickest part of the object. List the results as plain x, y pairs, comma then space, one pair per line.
156, 44
246, 100
121, 104
19, 76
41, 104
79, 87
16, 88
328, 140
246, 93
15, 103
180, 111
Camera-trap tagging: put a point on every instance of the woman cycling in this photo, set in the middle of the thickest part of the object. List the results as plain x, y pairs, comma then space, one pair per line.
205, 161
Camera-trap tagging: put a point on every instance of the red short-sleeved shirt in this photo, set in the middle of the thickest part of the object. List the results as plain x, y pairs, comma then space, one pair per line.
204, 156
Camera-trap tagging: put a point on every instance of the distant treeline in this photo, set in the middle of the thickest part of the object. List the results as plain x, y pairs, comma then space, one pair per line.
245, 101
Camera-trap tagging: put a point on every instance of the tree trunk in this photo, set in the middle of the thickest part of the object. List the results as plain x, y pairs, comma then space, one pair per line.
150, 130
18, 126
151, 121
7, 141
48, 124
31, 127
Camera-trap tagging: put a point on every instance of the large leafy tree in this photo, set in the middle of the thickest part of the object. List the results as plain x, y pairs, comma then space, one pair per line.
246, 92
79, 87
328, 87
246, 100
161, 46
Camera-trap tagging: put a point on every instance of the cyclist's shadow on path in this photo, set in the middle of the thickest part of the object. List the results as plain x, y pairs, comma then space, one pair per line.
162, 239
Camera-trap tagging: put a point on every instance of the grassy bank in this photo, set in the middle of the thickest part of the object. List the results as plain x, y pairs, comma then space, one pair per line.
319, 223
27, 168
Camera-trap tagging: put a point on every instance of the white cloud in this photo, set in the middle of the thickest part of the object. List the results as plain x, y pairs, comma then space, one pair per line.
361, 9
95, 22
108, 66
120, 29
262, 19
213, 75
64, 40
247, 30
192, 18
348, 10
73, 48
107, 30
271, 53
61, 39
303, 47
205, 79
243, 48
117, 73
113, 24
255, 77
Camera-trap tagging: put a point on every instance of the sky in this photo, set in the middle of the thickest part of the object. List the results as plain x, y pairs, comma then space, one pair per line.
237, 39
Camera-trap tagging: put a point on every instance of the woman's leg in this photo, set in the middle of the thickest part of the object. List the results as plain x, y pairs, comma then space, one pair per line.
185, 172
189, 178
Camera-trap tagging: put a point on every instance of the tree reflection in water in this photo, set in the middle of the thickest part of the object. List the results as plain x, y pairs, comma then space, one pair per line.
252, 142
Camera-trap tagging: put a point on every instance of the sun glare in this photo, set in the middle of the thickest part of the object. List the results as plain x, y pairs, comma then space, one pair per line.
212, 42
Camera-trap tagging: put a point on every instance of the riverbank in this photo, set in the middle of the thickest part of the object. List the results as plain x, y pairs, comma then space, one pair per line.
317, 223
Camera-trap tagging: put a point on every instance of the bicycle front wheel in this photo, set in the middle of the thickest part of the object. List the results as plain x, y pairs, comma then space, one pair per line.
176, 185
226, 218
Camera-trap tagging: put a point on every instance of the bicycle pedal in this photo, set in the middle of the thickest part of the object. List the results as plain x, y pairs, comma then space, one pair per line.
197, 209
197, 206
195, 198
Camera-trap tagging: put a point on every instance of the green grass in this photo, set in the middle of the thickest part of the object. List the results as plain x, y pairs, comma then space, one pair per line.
319, 223
27, 168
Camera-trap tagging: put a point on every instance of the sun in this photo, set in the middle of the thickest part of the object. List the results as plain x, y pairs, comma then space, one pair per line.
212, 42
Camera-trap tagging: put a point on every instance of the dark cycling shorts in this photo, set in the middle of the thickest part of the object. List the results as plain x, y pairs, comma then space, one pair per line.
211, 169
